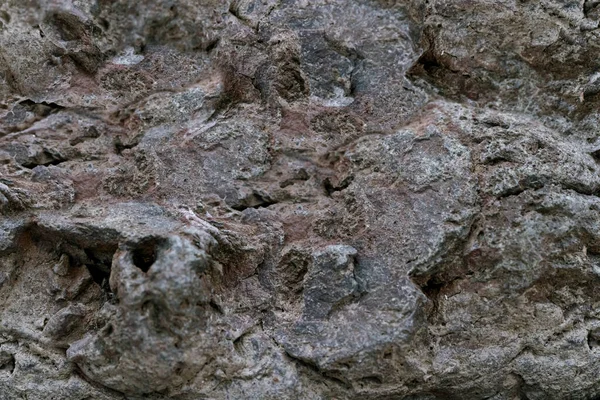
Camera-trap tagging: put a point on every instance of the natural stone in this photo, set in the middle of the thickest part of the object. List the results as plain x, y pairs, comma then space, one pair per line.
328, 199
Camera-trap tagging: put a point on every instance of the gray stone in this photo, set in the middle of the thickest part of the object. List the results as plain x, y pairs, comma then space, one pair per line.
325, 199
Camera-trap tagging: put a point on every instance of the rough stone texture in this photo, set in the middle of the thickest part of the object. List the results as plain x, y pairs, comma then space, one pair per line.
273, 199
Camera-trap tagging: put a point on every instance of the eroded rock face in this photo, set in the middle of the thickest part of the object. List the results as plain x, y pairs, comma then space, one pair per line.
299, 199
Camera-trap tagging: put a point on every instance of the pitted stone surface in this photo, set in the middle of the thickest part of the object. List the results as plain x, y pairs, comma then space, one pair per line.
325, 199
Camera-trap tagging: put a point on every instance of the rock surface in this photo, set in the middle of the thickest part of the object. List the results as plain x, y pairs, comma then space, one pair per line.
330, 199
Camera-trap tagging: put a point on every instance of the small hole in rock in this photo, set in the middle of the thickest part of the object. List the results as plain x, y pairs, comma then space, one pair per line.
104, 24
98, 262
369, 380
179, 368
7, 362
144, 255
108, 330
594, 338
4, 16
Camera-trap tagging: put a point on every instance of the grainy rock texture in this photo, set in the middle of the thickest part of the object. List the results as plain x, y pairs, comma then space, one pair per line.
274, 199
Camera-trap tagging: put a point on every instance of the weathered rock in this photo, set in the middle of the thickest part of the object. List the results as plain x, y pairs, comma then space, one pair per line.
299, 199
62, 324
